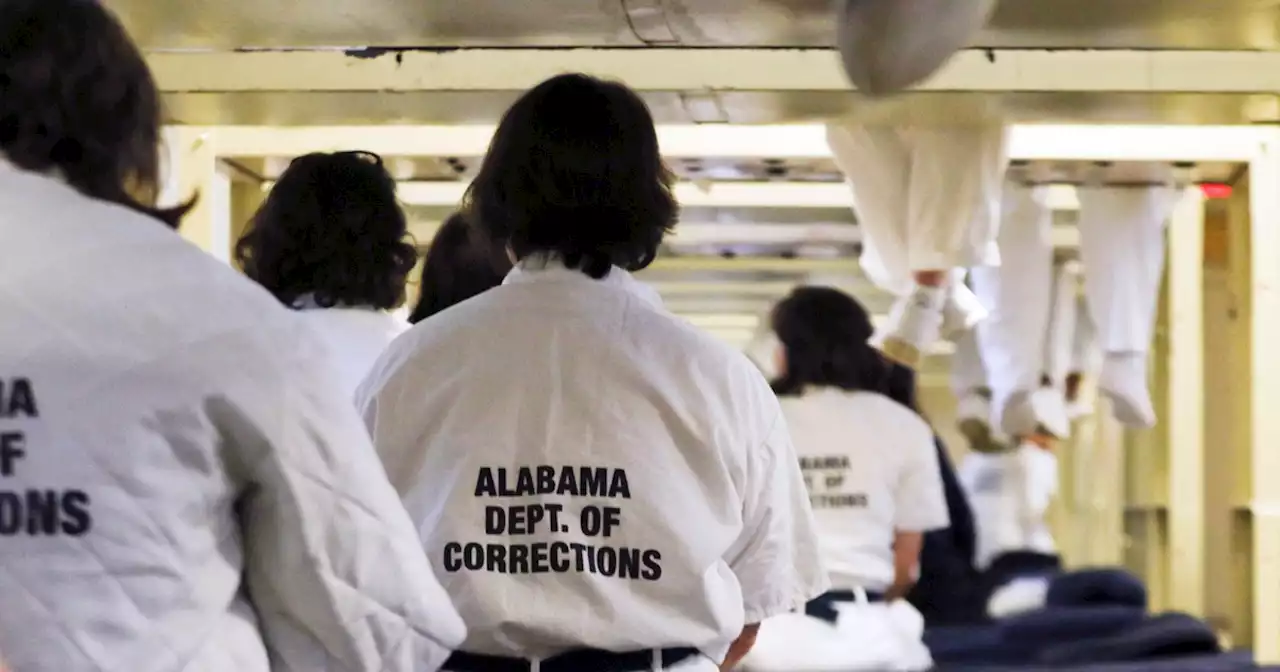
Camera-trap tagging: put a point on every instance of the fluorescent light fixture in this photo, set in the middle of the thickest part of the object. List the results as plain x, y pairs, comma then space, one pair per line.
720, 195
1057, 142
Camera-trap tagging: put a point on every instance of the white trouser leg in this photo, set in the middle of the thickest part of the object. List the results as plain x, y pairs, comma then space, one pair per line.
967, 371
1122, 246
1049, 403
957, 178
876, 164
1017, 294
1084, 340
922, 208
973, 397
1085, 358
1062, 323
956, 183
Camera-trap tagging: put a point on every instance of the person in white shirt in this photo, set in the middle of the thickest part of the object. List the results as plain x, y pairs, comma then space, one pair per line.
1010, 493
181, 489
600, 485
331, 242
870, 463
875, 483
457, 267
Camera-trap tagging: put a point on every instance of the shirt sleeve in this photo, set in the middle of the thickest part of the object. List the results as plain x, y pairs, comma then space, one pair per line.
776, 559
920, 504
333, 563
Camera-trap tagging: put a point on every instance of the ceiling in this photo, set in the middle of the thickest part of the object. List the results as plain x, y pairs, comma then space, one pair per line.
1081, 24
725, 295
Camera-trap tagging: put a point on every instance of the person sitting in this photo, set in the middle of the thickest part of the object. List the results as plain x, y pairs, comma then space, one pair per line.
1010, 493
601, 485
870, 464
457, 267
181, 486
330, 242
949, 589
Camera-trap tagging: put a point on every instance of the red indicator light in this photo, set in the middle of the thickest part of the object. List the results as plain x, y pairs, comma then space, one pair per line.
1215, 190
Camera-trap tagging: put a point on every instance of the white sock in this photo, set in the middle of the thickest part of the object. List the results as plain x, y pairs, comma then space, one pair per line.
1049, 407
1043, 409
914, 324
1124, 381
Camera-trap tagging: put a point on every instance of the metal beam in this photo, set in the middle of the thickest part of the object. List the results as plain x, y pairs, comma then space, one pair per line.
717, 194
767, 233
729, 69
1033, 142
754, 265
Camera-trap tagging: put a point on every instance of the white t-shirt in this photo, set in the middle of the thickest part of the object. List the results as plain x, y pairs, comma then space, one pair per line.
181, 488
1010, 495
587, 470
355, 338
872, 469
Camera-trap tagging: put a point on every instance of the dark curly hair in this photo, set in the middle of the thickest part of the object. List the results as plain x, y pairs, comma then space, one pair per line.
574, 171
457, 267
76, 97
825, 335
331, 228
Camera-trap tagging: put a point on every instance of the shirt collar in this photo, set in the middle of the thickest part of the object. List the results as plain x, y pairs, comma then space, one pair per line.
308, 302
538, 268
9, 166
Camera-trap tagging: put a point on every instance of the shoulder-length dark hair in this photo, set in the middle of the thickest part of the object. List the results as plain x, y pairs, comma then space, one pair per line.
574, 171
457, 267
77, 98
825, 336
331, 228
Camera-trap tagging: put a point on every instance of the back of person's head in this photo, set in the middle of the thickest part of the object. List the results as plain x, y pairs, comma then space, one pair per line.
332, 230
574, 172
457, 267
825, 336
77, 100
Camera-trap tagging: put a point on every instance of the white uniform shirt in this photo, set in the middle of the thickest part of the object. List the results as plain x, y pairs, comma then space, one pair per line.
872, 469
587, 470
169, 448
354, 337
1010, 495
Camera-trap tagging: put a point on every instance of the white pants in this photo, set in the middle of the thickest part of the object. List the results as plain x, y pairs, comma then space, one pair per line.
1059, 345
875, 637
967, 370
1017, 294
927, 198
1122, 247
1084, 340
